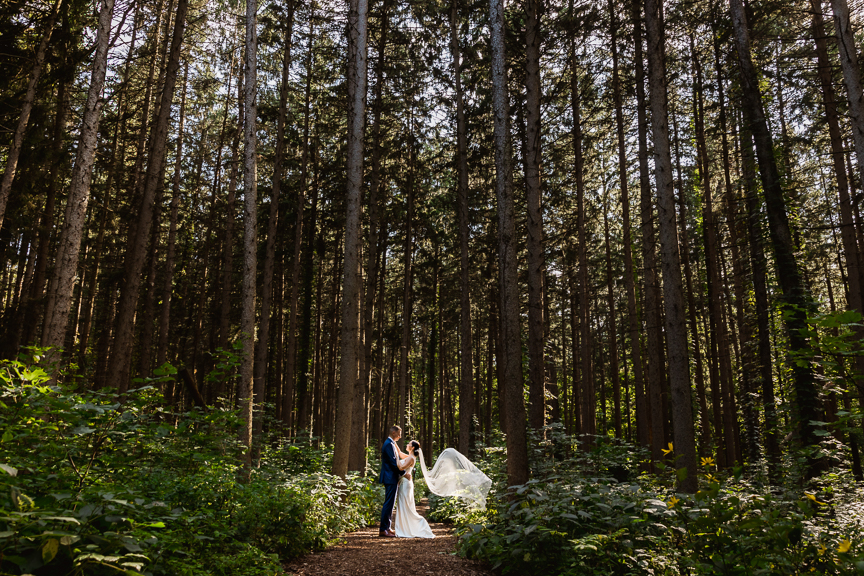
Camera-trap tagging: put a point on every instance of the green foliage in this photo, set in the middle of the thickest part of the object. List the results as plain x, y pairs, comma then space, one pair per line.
93, 485
575, 518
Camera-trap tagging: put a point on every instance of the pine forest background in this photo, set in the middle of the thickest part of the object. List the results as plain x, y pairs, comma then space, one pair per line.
633, 221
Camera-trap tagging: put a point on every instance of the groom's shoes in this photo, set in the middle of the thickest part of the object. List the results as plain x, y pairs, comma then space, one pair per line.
387, 534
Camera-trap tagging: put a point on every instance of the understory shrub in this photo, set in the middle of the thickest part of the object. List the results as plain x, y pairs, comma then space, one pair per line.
575, 518
90, 485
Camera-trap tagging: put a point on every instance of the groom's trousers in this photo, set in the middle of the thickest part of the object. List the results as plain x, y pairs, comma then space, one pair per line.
389, 502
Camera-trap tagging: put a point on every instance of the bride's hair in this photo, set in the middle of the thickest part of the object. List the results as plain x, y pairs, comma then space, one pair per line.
416, 446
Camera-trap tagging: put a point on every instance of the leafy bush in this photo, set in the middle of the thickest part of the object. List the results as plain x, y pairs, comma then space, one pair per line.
574, 518
90, 485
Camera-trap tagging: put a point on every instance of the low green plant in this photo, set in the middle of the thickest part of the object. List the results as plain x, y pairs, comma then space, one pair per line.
90, 484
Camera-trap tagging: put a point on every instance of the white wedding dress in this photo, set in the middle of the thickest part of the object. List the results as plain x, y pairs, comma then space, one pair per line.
409, 524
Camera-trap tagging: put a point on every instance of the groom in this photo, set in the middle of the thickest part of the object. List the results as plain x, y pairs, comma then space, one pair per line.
389, 476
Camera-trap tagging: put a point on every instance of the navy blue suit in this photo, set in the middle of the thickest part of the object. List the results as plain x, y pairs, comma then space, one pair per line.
390, 475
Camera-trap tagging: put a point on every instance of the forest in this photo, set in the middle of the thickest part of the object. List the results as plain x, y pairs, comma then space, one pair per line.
614, 253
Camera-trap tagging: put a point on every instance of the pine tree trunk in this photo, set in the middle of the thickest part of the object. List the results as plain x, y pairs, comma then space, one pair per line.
262, 349
227, 247
170, 248
250, 232
652, 395
291, 345
627, 241
676, 328
704, 415
847, 228
760, 293
14, 151
357, 457
517, 448
348, 369
788, 275
138, 237
534, 225
466, 406
65, 270
611, 320
726, 448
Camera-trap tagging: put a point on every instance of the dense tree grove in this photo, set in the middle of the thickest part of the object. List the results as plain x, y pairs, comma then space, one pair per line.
637, 220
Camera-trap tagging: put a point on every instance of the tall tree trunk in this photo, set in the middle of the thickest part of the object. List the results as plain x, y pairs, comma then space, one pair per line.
847, 227
517, 447
291, 345
534, 194
357, 34
760, 293
704, 414
653, 322
629, 273
14, 151
588, 403
226, 299
851, 76
138, 236
726, 448
261, 352
676, 327
250, 233
357, 457
408, 281
466, 406
170, 248
794, 294
66, 267
612, 319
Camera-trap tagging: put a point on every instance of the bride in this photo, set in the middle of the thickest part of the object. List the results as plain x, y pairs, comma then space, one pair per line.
452, 475
409, 524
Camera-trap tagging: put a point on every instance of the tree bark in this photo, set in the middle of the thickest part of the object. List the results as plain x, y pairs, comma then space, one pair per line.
726, 448
357, 458
291, 345
466, 406
170, 248
676, 328
63, 279
250, 232
357, 34
517, 448
652, 394
138, 237
534, 225
794, 294
262, 349
14, 151
627, 240
760, 293
408, 282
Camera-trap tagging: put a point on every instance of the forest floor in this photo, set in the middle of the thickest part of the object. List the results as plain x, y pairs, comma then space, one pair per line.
364, 553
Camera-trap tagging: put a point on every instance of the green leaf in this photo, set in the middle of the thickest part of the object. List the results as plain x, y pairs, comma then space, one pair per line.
7, 436
49, 550
81, 430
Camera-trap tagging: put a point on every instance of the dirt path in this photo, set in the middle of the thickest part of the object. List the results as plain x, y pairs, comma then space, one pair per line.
364, 553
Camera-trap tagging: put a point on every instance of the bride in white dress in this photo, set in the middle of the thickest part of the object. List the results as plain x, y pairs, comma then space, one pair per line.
409, 524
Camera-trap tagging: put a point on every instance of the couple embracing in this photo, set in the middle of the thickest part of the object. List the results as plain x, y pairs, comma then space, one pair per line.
397, 475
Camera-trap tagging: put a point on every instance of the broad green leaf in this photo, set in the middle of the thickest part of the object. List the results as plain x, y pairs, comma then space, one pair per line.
49, 550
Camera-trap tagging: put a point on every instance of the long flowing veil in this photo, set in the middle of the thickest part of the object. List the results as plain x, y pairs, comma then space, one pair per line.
454, 475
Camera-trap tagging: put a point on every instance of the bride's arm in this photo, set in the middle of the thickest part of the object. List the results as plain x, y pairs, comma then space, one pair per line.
406, 462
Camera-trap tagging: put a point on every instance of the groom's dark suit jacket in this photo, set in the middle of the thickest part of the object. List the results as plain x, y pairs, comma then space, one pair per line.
390, 472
